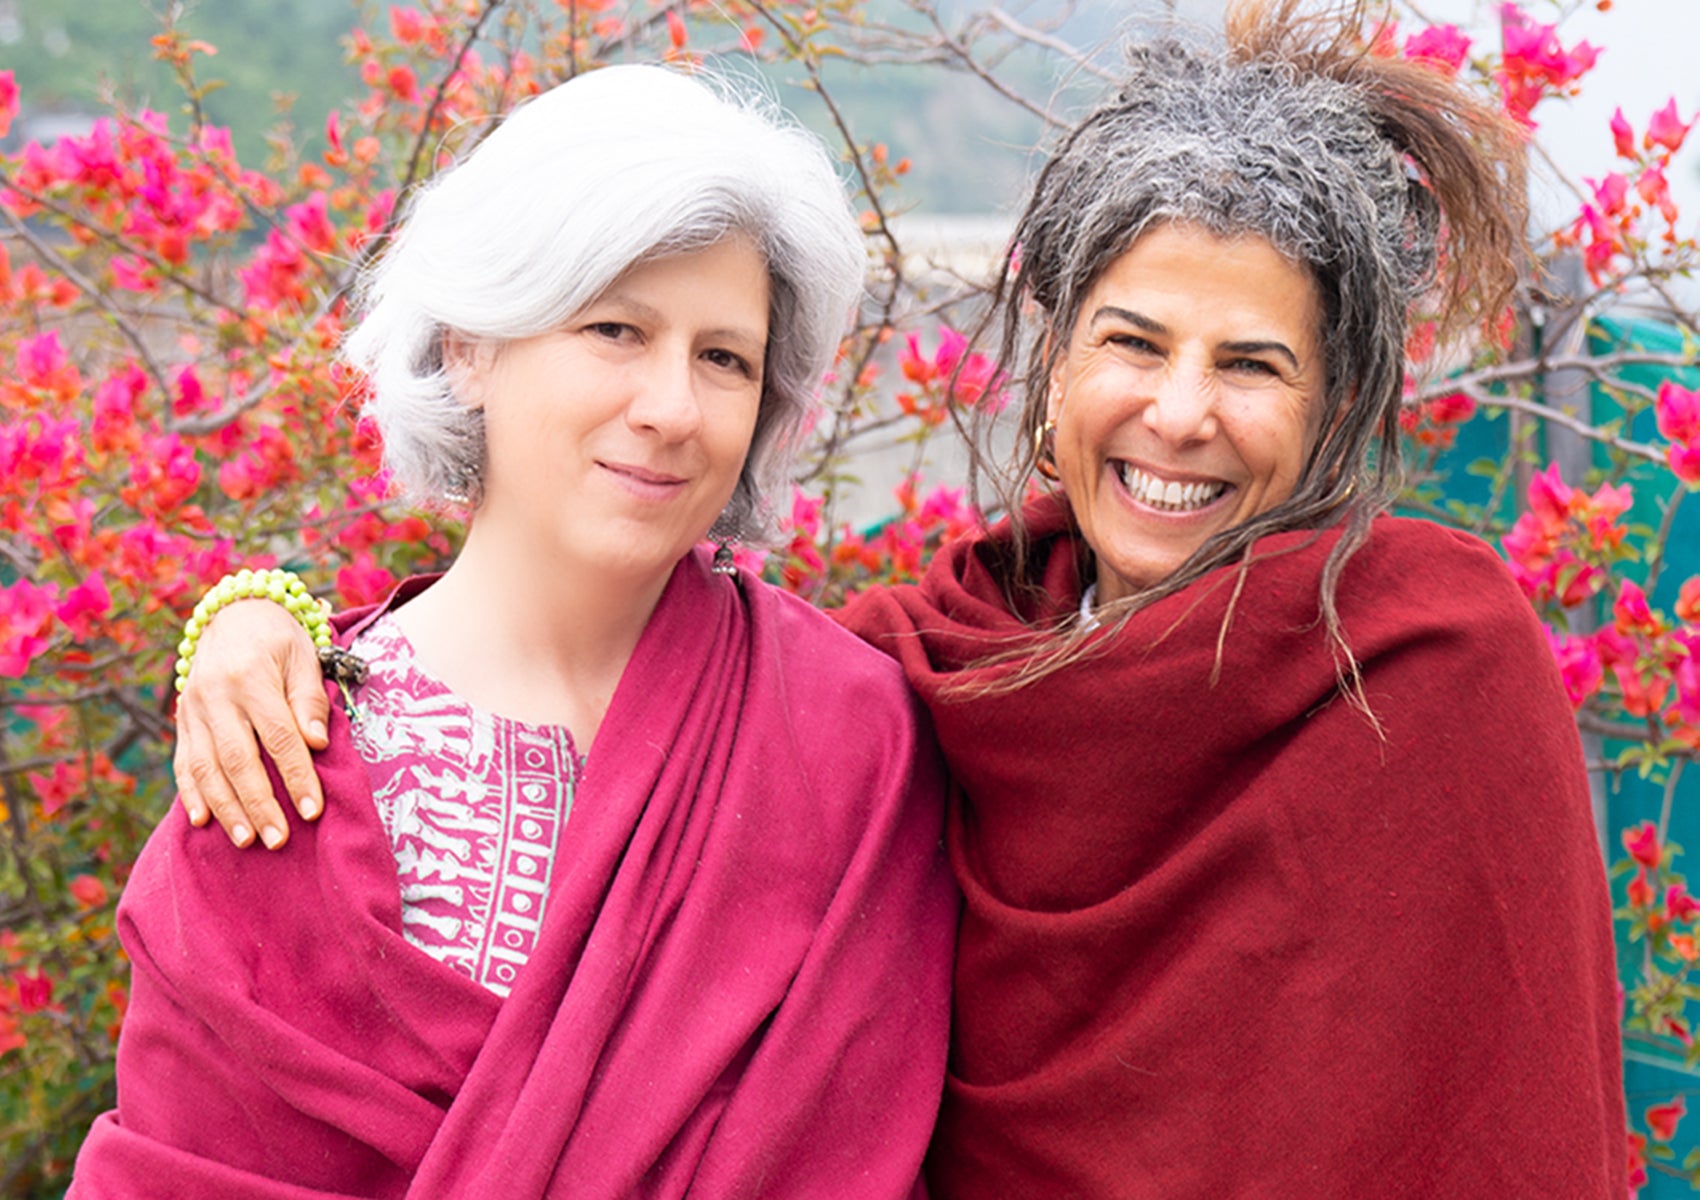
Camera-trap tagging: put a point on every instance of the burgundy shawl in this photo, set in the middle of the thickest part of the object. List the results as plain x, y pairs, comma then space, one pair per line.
740, 988
1225, 939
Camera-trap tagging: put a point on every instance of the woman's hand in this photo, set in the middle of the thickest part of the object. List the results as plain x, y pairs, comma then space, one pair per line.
255, 675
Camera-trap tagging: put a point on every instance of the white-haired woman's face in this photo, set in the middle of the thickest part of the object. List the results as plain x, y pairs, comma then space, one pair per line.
613, 442
1187, 399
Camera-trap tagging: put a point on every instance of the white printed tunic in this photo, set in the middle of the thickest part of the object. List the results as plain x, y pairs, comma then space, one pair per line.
473, 803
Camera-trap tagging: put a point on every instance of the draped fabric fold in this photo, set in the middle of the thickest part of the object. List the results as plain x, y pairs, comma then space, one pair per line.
1230, 939
739, 989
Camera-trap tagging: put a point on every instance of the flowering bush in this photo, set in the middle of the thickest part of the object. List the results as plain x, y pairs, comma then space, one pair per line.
169, 408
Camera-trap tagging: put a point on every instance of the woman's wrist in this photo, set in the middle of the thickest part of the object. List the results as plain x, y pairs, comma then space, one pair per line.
274, 584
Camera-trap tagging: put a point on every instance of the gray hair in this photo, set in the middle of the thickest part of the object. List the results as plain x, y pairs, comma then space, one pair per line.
577, 185
1388, 182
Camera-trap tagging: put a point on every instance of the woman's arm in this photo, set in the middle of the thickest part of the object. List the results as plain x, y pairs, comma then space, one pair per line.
255, 682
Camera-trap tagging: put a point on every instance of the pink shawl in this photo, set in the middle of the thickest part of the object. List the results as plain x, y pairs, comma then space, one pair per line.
740, 988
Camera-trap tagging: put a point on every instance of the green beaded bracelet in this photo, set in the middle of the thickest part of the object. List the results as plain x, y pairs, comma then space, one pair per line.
277, 585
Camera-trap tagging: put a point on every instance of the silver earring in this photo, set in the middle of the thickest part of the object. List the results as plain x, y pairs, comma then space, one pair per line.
463, 487
724, 561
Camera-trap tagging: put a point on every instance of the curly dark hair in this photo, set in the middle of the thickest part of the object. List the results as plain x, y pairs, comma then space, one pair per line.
1392, 184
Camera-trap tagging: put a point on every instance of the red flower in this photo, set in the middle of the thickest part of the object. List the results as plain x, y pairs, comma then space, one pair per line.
403, 84
88, 891
1643, 692
1640, 891
1662, 1119
35, 991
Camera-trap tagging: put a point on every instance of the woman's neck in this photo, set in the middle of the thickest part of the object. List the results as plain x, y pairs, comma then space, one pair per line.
528, 637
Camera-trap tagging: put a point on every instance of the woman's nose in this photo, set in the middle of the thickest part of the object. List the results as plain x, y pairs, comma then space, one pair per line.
1182, 407
664, 399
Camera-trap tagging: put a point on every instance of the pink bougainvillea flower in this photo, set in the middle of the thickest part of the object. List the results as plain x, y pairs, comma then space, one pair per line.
56, 788
25, 611
89, 600
1688, 600
1579, 666
1622, 135
972, 378
805, 512
1654, 188
1445, 46
1534, 63
1662, 1119
363, 581
1666, 129
1613, 194
1685, 462
1642, 843
1679, 904
1632, 614
1677, 411
8, 102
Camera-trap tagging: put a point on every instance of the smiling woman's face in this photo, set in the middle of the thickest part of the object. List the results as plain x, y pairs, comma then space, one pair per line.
1186, 402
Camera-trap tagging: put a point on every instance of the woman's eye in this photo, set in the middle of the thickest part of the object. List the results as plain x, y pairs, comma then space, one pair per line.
730, 361
1251, 366
1133, 342
612, 330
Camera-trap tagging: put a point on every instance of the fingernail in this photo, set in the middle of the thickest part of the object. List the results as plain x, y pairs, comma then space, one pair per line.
272, 836
241, 835
316, 729
307, 807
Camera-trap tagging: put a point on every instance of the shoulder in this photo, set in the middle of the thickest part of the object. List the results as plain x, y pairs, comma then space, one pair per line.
1421, 574
848, 707
817, 653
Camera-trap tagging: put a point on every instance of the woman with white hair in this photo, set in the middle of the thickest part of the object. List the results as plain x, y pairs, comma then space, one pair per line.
672, 913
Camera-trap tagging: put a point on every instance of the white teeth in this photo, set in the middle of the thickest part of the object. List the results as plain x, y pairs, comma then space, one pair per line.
1158, 493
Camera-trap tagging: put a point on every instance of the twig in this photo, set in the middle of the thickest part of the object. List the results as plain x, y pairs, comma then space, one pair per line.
99, 296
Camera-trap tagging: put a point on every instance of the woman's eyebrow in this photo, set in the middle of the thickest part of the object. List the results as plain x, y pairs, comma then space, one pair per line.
1138, 320
1256, 347
1141, 321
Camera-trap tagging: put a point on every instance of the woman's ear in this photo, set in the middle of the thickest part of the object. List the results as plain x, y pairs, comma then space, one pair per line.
467, 362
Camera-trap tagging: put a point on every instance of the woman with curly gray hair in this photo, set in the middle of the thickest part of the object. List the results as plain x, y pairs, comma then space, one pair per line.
1268, 808
593, 909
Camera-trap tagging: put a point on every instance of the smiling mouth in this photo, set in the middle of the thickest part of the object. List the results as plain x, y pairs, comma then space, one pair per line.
1167, 494
640, 475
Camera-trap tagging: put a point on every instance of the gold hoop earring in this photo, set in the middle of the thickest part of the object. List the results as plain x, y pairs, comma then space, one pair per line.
1044, 453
